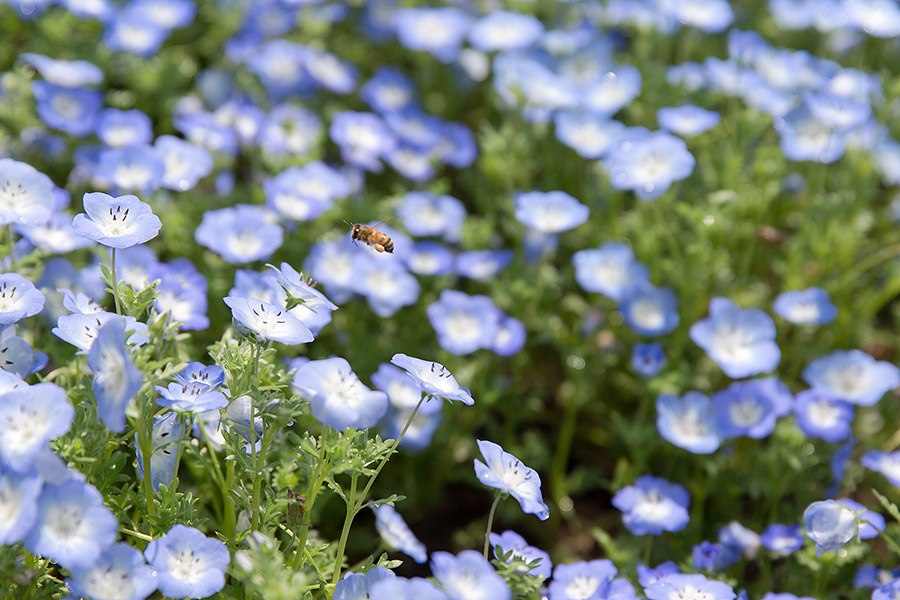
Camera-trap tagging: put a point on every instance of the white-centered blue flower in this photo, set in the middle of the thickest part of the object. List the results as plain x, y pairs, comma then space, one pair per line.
240, 234
194, 397
505, 472
689, 586
188, 564
270, 321
830, 525
811, 306
397, 534
64, 73
468, 576
18, 298
852, 376
116, 379
19, 493
611, 270
510, 541
31, 416
26, 195
119, 573
116, 222
886, 463
550, 212
740, 341
399, 588
652, 505
337, 398
81, 330
433, 378
688, 421
584, 580
687, 120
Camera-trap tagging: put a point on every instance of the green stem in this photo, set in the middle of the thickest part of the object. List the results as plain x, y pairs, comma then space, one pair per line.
490, 524
256, 520
352, 509
890, 541
563, 448
145, 429
387, 457
114, 280
312, 490
216, 470
648, 550
230, 524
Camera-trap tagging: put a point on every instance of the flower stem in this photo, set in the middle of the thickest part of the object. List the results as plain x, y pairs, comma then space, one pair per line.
312, 490
352, 509
114, 280
393, 449
256, 520
144, 435
490, 524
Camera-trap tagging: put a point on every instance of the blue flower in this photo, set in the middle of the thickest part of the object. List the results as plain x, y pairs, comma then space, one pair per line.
18, 357
279, 64
71, 110
427, 214
290, 130
468, 575
458, 148
192, 397
182, 294
505, 30
482, 265
116, 379
650, 311
737, 540
119, 572
201, 128
510, 541
315, 309
385, 283
510, 337
363, 138
337, 398
356, 586
805, 137
607, 94
328, 71
464, 323
332, 265
135, 168
711, 16
26, 195
18, 298
117, 128
819, 415
830, 525
131, 31
887, 591
648, 576
648, 359
64, 73
440, 31
165, 435
269, 321
433, 378
852, 376
584, 580
188, 564
550, 212
782, 539
389, 90
648, 163
168, 14
588, 134
428, 258
740, 341
19, 494
73, 525
404, 395
399, 588
870, 522
751, 408
610, 270
185, 163
57, 235
687, 120
653, 505
886, 463
709, 557
304, 193
688, 421
31, 416
411, 162
396, 534
505, 472
837, 111
811, 306
116, 222
684, 586
81, 330
239, 234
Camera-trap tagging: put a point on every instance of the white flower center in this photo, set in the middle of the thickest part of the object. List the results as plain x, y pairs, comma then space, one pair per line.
647, 314
849, 380
746, 412
582, 587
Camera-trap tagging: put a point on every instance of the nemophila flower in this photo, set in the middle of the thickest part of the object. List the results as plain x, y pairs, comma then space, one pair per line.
782, 539
133, 32
279, 64
439, 31
328, 71
610, 270
73, 526
811, 306
356, 586
648, 576
588, 134
185, 164
70, 110
886, 591
878, 18
396, 534
268, 320
711, 16
399, 588
510, 541
611, 91
464, 323
411, 162
116, 379
505, 472
429, 258
244, 117
202, 129
18, 298
433, 378
165, 434
820, 415
134, 168
510, 337
81, 330
57, 235
648, 164
315, 309
738, 541
550, 212
116, 222
751, 408
117, 128
852, 376
740, 341
386, 284
648, 359
805, 137
31, 416
708, 556
332, 265
194, 397
135, 265
364, 138
337, 398
427, 214
688, 421
585, 580
837, 111
870, 522
182, 294
168, 14
505, 30
389, 90
458, 148
650, 311
830, 525
653, 505
64, 73
239, 234
784, 596
690, 75
687, 120
886, 463
19, 493
482, 265
26, 195
188, 564
468, 576
689, 586
289, 129
304, 193
16, 355
119, 573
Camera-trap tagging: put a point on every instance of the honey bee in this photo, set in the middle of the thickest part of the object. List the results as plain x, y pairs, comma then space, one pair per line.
370, 236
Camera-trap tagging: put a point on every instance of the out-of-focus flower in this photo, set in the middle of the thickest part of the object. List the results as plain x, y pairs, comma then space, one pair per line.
18, 298
677, 585
71, 110
588, 134
239, 234
648, 163
26, 195
550, 212
653, 505
648, 359
439, 31
582, 580
31, 416
687, 120
886, 463
468, 575
751, 408
505, 30
363, 138
811, 306
740, 341
426, 214
830, 525
650, 311
185, 163
116, 379
688, 421
820, 415
396, 533
510, 541
852, 376
611, 270
337, 398
782, 539
464, 323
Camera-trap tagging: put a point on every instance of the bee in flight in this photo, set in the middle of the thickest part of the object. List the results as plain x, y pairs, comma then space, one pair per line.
369, 235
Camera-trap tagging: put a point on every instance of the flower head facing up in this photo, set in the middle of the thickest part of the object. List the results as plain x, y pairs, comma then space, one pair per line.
811, 306
830, 524
19, 493
116, 379
585, 580
18, 298
468, 576
433, 378
119, 572
31, 416
689, 586
337, 398
269, 321
688, 421
194, 397
611, 270
653, 505
26, 195
505, 472
188, 564
396, 533
782, 539
550, 212
853, 377
116, 222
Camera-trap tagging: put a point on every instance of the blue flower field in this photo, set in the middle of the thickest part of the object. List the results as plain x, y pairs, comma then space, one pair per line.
475, 300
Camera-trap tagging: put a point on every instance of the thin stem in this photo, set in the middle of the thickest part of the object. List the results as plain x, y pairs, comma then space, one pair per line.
648, 550
137, 534
114, 280
352, 509
230, 524
564, 447
145, 430
256, 520
393, 449
312, 490
490, 524
11, 235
